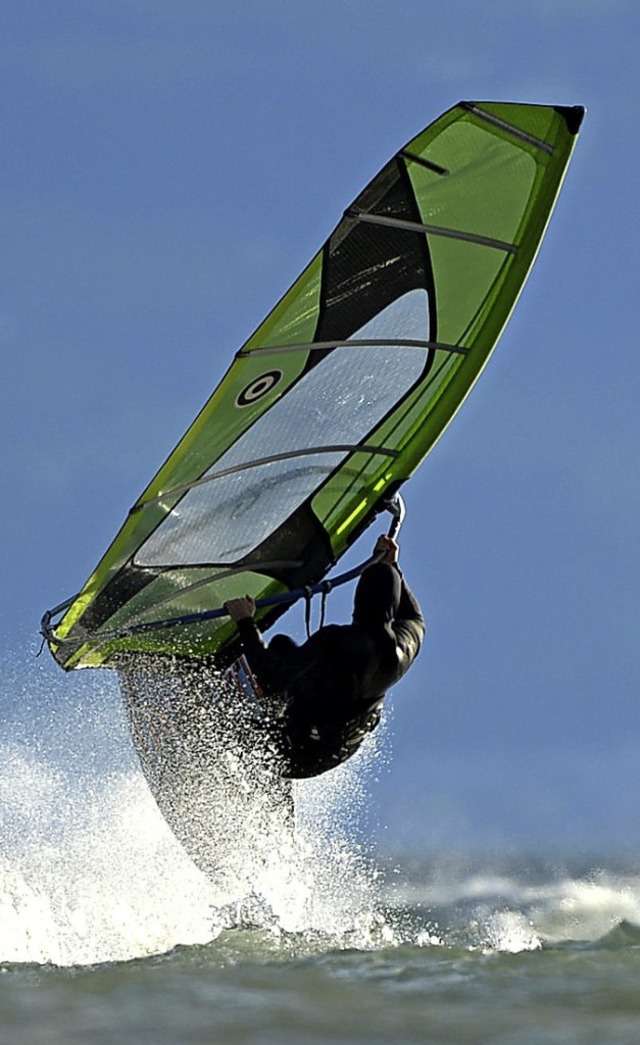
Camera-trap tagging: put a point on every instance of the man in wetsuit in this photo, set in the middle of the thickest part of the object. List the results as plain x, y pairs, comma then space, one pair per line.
329, 691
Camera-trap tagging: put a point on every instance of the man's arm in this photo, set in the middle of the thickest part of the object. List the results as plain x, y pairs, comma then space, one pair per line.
267, 666
409, 624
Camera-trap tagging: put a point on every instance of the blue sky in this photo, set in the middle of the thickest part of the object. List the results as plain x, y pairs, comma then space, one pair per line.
168, 169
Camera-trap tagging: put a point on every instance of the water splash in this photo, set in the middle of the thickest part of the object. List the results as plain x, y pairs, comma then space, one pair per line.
91, 871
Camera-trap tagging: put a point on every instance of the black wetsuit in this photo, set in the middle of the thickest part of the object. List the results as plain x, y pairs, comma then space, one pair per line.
332, 687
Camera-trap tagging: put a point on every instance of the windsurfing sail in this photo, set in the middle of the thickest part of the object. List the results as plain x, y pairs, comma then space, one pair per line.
339, 394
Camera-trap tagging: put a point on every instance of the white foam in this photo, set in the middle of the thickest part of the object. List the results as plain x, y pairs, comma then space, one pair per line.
510, 932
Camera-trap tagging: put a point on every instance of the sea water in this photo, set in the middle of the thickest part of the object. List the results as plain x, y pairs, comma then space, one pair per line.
110, 933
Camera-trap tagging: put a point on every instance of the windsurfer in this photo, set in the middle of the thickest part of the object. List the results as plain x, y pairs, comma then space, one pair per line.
324, 697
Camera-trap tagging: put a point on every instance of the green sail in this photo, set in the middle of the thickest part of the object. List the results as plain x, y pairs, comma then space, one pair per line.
339, 394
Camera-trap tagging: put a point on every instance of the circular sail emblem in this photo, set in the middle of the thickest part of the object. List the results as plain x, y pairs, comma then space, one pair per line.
259, 387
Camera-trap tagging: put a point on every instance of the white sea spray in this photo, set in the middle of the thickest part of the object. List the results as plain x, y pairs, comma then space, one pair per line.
92, 872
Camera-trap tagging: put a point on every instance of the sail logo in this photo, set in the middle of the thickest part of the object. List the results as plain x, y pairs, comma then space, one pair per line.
259, 387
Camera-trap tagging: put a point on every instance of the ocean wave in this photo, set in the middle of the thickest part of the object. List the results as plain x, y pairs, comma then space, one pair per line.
528, 906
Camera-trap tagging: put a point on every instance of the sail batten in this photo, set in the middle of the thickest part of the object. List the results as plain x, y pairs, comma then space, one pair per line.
322, 346
432, 230
515, 132
428, 164
260, 462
